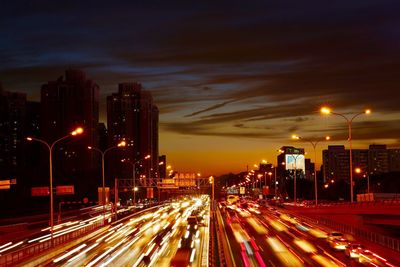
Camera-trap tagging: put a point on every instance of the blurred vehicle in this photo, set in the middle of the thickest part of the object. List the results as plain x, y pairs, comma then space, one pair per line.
338, 243
192, 220
334, 235
151, 252
232, 199
353, 250
284, 255
181, 258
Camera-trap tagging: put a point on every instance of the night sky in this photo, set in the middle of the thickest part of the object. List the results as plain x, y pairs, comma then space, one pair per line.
232, 79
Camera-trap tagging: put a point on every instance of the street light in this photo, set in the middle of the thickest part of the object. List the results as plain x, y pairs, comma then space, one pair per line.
134, 175
314, 145
211, 181
77, 131
103, 153
327, 111
358, 171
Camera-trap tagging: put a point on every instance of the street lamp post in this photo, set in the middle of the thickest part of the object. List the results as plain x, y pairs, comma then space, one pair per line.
103, 154
328, 111
314, 145
212, 182
134, 175
366, 174
77, 131
270, 179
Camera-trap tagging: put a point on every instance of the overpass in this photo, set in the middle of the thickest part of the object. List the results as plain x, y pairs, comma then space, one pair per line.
381, 217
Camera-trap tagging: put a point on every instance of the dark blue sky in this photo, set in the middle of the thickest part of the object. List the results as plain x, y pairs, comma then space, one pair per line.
230, 78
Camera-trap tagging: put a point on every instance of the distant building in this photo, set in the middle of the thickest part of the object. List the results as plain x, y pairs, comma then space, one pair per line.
394, 160
377, 159
66, 104
133, 117
19, 118
309, 169
12, 122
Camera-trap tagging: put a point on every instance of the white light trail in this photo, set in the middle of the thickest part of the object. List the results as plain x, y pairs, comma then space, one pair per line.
69, 253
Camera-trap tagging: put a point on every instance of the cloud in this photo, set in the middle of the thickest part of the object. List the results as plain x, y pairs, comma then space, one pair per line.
237, 67
210, 108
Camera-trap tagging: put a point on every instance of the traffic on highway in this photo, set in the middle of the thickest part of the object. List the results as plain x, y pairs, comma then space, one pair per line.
262, 235
171, 234
178, 233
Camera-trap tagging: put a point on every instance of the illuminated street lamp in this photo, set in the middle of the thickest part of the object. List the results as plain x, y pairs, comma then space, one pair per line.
259, 176
358, 171
121, 144
270, 176
77, 131
314, 145
134, 174
327, 111
212, 182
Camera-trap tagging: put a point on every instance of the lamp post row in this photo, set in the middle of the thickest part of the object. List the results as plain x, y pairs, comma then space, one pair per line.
349, 121
51, 146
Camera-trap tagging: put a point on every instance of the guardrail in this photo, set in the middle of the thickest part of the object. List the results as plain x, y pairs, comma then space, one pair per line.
15, 257
18, 256
386, 241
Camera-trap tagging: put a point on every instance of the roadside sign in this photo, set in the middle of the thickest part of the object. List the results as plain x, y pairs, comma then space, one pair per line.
4, 182
242, 190
40, 191
150, 192
65, 190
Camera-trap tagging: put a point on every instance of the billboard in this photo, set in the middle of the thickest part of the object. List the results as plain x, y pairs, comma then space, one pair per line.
295, 160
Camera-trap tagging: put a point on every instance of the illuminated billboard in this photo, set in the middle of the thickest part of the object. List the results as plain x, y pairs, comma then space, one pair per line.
295, 160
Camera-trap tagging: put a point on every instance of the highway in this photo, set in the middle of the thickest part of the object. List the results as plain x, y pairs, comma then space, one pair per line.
177, 234
149, 238
266, 236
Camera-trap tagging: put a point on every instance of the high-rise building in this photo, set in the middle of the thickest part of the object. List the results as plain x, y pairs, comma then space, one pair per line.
377, 159
133, 117
394, 160
19, 118
67, 103
309, 167
12, 122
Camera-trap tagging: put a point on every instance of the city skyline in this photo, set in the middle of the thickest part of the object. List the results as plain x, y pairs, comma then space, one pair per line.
232, 82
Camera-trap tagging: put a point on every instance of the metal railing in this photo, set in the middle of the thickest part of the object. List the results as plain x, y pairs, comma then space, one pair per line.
386, 241
15, 257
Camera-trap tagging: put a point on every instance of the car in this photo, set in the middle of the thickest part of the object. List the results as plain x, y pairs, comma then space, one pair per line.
192, 220
338, 243
353, 250
334, 235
